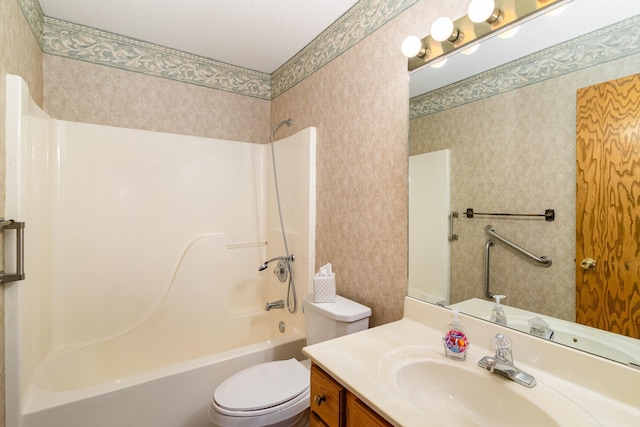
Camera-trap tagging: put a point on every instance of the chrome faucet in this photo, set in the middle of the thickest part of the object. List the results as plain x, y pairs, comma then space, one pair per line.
275, 304
540, 328
502, 362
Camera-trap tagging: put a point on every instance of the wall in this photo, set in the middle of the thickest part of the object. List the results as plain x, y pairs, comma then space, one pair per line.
84, 92
19, 54
361, 190
359, 103
515, 152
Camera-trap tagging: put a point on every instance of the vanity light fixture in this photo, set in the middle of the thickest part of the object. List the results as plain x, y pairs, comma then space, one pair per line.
485, 18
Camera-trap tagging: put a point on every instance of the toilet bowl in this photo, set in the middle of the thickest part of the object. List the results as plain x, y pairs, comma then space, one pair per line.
276, 393
268, 394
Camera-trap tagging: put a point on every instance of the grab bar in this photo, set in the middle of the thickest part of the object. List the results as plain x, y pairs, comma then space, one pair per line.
487, 248
545, 261
10, 224
452, 236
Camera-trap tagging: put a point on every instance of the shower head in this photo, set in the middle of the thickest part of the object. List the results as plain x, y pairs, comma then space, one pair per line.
284, 122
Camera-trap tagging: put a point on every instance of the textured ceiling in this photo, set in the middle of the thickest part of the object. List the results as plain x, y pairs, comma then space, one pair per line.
259, 35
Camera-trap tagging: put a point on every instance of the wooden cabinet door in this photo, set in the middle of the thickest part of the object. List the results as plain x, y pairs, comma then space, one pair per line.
327, 398
360, 415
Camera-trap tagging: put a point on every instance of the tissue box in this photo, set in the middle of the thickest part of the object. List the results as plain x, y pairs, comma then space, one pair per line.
324, 289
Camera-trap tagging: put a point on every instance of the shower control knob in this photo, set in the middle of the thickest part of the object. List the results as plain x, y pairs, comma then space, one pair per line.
588, 264
318, 399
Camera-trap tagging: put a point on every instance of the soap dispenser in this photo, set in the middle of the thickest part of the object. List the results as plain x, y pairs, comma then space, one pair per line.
497, 313
455, 339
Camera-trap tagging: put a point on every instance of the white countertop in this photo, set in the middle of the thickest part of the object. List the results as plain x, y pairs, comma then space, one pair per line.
607, 391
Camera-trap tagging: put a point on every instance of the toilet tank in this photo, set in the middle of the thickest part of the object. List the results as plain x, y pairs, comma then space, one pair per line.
328, 320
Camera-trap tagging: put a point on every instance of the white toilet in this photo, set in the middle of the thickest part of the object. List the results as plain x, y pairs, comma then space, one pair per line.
277, 393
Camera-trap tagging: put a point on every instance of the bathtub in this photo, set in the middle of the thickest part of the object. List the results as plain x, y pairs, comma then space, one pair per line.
142, 289
92, 392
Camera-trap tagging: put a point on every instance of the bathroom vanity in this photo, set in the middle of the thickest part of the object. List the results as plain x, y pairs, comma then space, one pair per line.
397, 374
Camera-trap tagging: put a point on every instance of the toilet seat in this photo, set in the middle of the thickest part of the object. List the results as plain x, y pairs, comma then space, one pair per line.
263, 389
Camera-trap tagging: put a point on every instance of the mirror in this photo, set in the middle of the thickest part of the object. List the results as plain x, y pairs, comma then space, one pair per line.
511, 132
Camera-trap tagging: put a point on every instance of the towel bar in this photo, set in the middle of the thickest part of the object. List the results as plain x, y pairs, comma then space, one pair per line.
549, 214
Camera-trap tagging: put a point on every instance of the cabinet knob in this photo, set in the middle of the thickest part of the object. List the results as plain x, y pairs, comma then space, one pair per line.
319, 399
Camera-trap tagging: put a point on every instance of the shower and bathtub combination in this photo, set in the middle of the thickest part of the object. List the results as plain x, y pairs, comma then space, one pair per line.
142, 249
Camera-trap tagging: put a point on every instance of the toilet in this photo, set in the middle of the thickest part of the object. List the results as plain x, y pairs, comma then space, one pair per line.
276, 393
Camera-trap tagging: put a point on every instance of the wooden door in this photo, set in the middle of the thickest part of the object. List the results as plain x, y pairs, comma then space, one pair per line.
608, 206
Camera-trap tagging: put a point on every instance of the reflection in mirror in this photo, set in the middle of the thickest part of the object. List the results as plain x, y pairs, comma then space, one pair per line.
511, 132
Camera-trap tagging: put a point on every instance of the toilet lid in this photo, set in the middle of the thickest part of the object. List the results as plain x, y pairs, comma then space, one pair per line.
262, 386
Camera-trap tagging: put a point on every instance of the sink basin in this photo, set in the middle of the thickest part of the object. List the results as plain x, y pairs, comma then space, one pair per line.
459, 393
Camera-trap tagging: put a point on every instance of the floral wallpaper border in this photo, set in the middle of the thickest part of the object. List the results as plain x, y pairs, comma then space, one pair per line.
360, 21
75, 41
88, 44
613, 42
35, 18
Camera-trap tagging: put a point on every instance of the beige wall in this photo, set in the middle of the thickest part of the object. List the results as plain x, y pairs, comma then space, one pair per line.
84, 92
21, 55
362, 124
515, 152
359, 103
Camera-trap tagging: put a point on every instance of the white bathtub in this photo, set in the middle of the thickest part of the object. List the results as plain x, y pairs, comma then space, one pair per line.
83, 388
142, 289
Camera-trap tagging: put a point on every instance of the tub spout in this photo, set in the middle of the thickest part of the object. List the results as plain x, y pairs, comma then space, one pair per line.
275, 304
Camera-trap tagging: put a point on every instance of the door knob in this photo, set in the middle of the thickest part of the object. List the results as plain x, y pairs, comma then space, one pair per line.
588, 264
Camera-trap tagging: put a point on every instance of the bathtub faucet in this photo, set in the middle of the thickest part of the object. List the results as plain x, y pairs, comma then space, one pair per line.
275, 304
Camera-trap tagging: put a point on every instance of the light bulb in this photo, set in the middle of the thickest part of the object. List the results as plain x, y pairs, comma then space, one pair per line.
471, 50
483, 11
509, 33
439, 63
411, 46
443, 29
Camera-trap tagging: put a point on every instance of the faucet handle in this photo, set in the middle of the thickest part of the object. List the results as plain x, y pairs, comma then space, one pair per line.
501, 342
